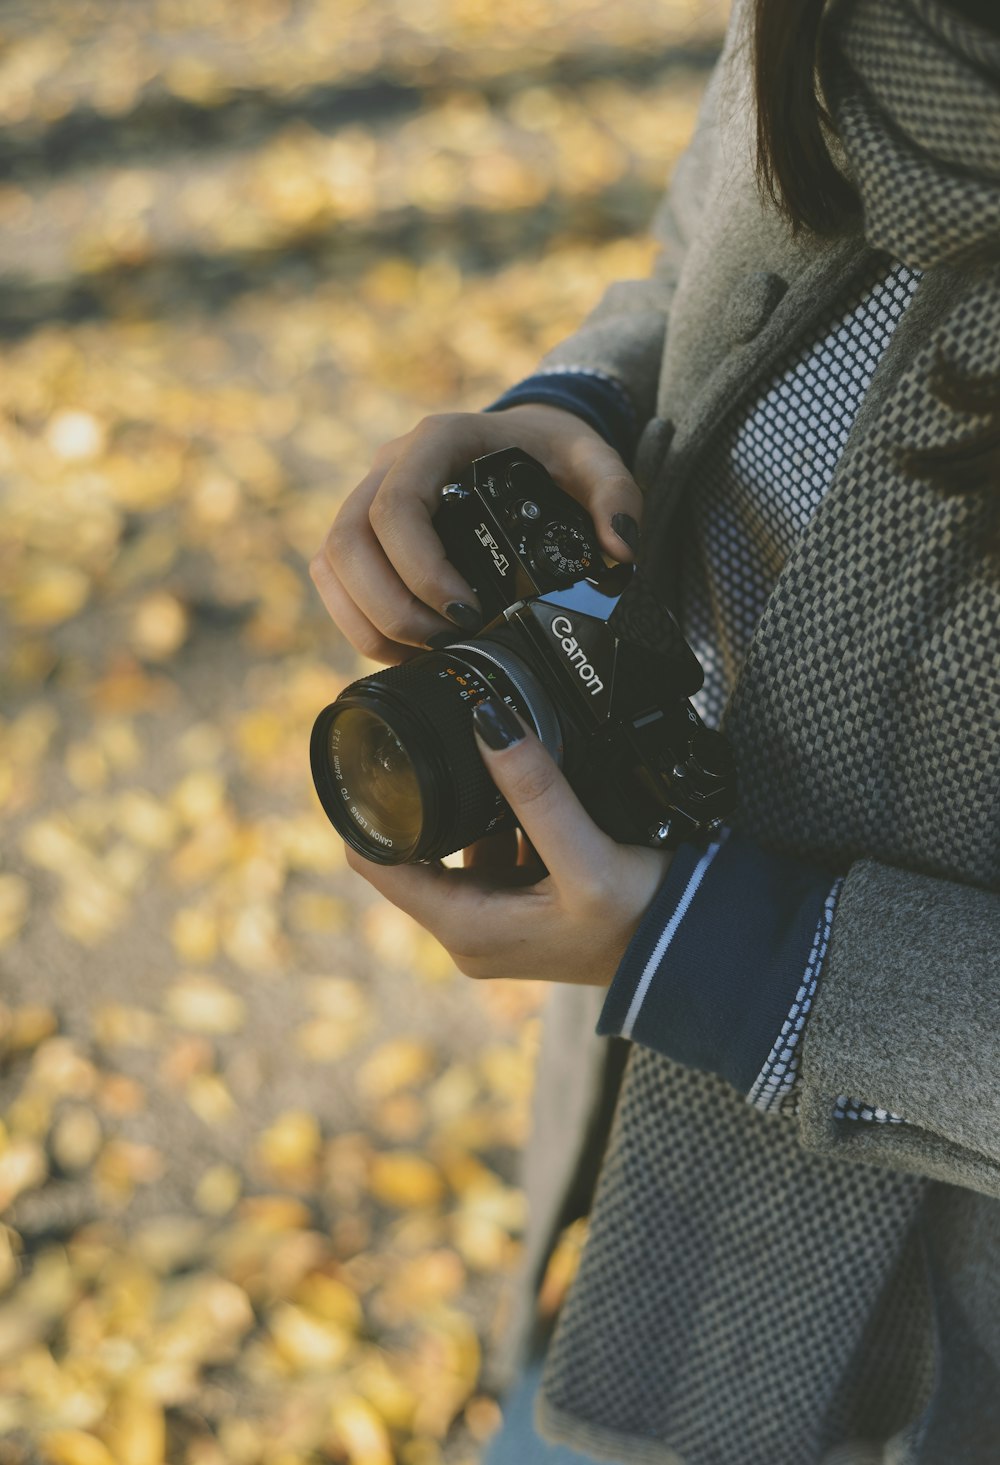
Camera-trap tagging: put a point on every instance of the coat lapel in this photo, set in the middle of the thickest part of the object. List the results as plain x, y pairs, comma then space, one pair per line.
873, 678
857, 679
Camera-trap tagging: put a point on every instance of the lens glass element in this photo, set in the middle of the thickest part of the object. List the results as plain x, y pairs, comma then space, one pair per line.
377, 779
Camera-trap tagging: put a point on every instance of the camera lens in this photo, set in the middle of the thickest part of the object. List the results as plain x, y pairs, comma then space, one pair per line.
395, 761
378, 768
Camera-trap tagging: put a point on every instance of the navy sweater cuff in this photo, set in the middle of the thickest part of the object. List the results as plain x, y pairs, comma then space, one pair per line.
600, 400
712, 971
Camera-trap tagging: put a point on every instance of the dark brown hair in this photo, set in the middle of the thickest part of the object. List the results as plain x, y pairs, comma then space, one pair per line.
794, 166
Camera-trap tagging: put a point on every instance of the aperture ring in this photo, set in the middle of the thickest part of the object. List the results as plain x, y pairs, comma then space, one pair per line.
527, 686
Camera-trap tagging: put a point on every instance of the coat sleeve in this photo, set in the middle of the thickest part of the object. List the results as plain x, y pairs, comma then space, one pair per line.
893, 980
907, 1013
592, 395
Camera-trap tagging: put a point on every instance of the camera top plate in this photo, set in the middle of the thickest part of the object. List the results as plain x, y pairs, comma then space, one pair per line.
512, 533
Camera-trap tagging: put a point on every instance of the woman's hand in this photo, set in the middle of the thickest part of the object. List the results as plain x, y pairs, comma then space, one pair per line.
571, 925
382, 572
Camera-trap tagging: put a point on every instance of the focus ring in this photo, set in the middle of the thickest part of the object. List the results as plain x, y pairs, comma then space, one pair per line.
444, 717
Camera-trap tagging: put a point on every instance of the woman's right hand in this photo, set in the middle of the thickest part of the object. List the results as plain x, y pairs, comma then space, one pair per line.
381, 571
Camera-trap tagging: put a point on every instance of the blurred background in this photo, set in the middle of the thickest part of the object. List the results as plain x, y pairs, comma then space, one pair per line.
259, 1143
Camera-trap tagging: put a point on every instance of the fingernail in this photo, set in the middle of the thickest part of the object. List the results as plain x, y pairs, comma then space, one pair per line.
465, 616
627, 530
496, 724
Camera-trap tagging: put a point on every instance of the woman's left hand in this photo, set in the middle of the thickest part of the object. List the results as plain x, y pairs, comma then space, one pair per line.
572, 924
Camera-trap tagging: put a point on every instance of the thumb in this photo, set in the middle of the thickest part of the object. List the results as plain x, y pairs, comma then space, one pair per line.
610, 495
572, 847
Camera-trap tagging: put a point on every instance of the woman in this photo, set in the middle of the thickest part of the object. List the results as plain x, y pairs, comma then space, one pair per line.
793, 1253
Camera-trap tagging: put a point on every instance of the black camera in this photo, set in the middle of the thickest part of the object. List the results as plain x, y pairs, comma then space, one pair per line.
568, 643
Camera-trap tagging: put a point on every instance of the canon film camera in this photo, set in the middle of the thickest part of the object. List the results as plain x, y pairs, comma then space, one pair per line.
394, 758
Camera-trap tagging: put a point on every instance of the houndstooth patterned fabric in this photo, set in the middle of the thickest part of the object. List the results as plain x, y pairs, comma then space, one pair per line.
909, 82
768, 473
870, 688
883, 771
914, 95
677, 1337
760, 486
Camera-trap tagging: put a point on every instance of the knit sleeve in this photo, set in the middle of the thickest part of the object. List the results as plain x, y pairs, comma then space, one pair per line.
715, 965
599, 399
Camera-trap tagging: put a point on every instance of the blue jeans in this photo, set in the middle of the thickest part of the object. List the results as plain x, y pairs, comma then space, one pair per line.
516, 1441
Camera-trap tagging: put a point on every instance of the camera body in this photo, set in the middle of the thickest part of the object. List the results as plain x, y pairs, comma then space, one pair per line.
639, 757
580, 648
513, 533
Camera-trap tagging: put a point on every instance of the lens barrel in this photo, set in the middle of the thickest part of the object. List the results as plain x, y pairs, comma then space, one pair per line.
395, 760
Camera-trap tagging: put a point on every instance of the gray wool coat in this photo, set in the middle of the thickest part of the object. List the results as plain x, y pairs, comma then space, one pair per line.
866, 722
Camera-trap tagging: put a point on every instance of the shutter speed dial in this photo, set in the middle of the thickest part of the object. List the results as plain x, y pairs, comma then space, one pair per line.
563, 550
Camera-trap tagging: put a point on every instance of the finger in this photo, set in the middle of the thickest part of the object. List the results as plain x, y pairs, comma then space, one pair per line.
372, 584
352, 622
575, 851
467, 915
594, 473
406, 502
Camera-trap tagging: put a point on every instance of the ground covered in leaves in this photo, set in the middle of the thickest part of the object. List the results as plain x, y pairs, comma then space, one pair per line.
258, 1154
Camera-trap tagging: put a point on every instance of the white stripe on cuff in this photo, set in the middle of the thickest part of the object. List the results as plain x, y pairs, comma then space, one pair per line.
669, 931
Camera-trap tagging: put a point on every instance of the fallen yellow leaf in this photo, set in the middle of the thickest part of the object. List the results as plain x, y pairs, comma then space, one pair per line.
357, 1429
405, 1180
204, 1005
395, 1065
75, 1447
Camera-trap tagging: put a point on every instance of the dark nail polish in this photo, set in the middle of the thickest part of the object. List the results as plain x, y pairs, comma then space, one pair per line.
465, 616
496, 723
627, 530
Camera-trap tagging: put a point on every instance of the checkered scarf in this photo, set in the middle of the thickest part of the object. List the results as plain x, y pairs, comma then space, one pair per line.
915, 93
914, 90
